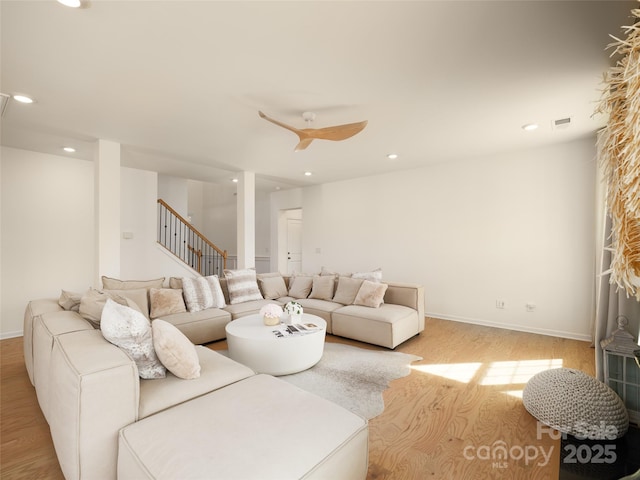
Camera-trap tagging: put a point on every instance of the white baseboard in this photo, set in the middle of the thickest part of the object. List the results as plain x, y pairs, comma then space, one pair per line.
518, 328
10, 334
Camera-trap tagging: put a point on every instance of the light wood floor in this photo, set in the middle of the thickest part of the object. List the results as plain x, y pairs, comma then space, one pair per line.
439, 422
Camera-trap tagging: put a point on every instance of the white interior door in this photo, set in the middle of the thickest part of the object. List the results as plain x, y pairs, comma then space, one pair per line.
294, 245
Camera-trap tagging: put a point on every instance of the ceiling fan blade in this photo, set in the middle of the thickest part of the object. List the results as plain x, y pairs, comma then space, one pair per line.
280, 124
337, 132
304, 143
307, 135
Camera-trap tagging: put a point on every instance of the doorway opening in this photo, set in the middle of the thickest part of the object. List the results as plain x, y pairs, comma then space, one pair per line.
290, 241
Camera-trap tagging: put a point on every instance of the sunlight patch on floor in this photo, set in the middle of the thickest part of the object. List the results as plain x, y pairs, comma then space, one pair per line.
517, 371
460, 372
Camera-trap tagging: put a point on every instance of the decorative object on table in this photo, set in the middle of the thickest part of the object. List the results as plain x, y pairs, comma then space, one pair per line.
573, 402
618, 144
294, 312
621, 372
271, 314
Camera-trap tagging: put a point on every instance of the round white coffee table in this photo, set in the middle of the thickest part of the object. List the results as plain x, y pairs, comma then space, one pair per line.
272, 349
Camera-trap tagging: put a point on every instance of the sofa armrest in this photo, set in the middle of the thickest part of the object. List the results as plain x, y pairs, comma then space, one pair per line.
97, 392
34, 309
408, 294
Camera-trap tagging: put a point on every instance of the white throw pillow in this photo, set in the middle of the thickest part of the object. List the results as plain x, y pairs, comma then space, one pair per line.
216, 291
175, 350
131, 331
197, 293
372, 276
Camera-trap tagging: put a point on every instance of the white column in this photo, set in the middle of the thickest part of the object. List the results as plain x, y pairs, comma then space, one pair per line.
107, 209
246, 205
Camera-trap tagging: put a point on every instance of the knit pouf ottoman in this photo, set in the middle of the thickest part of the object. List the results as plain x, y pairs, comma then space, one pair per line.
575, 403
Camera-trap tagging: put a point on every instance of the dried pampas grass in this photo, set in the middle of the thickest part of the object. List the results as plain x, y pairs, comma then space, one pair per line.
619, 153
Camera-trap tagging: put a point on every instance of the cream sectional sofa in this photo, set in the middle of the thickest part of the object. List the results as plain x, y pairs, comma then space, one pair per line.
106, 422
397, 319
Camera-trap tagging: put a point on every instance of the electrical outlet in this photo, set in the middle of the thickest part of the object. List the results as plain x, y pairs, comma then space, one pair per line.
501, 304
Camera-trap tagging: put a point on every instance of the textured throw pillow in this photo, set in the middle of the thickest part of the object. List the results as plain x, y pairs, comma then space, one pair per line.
70, 300
131, 331
175, 350
197, 293
175, 282
216, 291
116, 284
273, 287
347, 290
93, 301
300, 286
139, 295
166, 301
371, 294
372, 276
322, 287
242, 286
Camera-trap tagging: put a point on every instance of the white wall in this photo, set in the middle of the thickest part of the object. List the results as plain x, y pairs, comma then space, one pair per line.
175, 192
516, 227
48, 230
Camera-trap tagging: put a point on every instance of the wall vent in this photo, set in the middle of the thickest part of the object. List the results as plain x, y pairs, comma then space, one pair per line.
561, 123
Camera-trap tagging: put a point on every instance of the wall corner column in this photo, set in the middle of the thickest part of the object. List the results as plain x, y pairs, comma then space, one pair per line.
246, 226
107, 209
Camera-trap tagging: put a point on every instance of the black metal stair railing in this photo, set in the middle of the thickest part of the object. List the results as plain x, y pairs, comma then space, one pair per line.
178, 236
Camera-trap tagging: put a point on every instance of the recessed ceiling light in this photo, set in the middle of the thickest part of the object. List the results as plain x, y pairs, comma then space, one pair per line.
392, 156
69, 149
530, 127
308, 174
22, 99
234, 180
70, 3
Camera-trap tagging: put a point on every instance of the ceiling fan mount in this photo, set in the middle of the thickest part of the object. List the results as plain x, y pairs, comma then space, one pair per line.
308, 117
307, 135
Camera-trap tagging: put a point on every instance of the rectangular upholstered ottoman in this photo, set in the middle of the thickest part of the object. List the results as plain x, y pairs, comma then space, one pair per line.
259, 428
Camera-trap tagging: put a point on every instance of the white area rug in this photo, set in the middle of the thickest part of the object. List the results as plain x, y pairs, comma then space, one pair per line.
354, 377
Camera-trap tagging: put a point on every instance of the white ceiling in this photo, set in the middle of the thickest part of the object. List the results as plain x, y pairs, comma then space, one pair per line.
179, 83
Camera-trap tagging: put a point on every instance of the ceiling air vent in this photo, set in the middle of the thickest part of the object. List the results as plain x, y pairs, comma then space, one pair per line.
561, 123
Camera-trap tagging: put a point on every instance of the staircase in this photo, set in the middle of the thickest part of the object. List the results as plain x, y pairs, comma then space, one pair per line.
178, 236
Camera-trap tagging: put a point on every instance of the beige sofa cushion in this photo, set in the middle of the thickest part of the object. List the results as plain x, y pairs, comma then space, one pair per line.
174, 350
316, 440
347, 290
117, 284
371, 294
165, 301
70, 300
322, 287
92, 303
216, 371
300, 286
140, 296
272, 287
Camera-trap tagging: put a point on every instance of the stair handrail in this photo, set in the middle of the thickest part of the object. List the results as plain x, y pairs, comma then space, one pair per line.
197, 233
